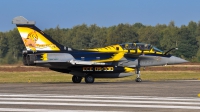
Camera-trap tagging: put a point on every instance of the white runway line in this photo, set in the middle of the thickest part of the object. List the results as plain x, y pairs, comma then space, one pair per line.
99, 101
113, 101
103, 97
46, 110
100, 105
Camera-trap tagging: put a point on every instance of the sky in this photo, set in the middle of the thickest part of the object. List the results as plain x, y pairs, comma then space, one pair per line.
103, 13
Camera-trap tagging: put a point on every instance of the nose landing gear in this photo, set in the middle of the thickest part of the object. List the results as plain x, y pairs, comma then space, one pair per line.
138, 79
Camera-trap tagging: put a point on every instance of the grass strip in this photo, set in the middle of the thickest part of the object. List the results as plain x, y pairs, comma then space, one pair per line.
50, 76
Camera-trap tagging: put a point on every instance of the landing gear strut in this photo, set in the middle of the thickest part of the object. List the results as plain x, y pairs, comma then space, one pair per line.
138, 79
76, 79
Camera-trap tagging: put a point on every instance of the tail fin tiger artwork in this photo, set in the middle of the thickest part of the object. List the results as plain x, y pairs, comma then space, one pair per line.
34, 39
113, 61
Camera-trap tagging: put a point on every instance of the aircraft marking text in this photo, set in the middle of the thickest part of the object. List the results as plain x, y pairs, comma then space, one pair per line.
98, 69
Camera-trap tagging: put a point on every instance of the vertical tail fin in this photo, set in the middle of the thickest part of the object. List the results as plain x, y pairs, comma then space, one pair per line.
35, 39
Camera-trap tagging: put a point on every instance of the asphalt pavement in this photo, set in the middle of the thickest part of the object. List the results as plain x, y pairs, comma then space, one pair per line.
101, 96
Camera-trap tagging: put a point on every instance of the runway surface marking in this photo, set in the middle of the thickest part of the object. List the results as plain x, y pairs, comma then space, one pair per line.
111, 101
45, 110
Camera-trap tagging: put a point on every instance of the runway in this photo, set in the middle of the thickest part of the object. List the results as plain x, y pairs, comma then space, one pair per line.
102, 97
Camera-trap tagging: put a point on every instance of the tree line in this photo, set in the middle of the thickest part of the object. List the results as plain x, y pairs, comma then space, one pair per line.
164, 37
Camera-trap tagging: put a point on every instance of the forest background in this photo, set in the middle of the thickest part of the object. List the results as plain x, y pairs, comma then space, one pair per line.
164, 37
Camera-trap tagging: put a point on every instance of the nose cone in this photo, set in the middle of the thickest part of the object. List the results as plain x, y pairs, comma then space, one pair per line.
176, 60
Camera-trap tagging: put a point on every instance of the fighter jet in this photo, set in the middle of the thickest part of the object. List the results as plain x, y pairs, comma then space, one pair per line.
114, 61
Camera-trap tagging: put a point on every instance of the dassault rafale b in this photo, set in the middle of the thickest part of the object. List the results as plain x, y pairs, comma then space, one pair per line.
113, 61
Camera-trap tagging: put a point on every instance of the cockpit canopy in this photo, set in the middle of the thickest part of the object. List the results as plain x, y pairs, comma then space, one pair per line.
141, 46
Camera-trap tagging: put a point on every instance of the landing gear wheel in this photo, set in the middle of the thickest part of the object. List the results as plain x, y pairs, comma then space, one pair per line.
76, 79
138, 80
89, 79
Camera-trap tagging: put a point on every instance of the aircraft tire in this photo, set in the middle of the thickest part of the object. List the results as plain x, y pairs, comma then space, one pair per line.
138, 80
28, 60
89, 79
76, 79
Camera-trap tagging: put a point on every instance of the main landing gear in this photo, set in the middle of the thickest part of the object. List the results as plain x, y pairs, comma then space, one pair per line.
88, 79
138, 79
76, 79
